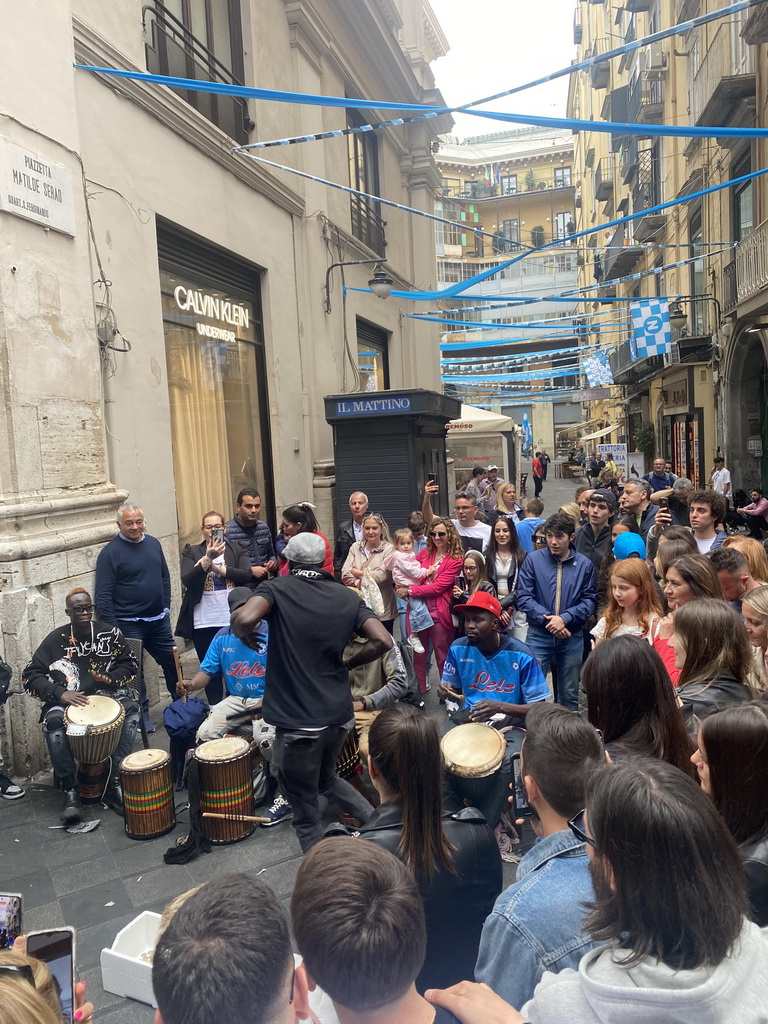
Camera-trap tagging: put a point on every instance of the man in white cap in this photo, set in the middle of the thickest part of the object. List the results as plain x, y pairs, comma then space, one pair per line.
307, 696
489, 487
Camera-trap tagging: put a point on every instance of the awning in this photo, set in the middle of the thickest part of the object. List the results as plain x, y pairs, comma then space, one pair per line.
575, 426
480, 421
598, 433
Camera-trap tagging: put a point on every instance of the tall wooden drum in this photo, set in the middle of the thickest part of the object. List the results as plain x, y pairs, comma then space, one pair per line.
225, 787
93, 729
473, 755
147, 794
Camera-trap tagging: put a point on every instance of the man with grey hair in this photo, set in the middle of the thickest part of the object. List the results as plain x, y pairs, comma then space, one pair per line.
307, 697
350, 530
133, 592
676, 499
636, 501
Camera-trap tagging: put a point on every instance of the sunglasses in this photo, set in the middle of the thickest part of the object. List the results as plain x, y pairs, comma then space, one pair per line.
576, 825
539, 540
438, 533
20, 971
81, 609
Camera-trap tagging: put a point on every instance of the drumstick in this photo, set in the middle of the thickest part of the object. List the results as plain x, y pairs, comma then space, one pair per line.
234, 817
179, 676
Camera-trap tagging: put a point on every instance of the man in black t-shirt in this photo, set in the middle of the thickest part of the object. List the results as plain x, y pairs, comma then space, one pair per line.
306, 693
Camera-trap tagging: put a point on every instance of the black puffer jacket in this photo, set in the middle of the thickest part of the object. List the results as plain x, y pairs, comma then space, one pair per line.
455, 906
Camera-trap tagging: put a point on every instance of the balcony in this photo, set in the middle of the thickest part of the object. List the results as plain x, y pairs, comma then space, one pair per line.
646, 195
628, 160
752, 263
685, 10
171, 49
723, 88
636, 6
600, 74
367, 225
620, 256
756, 26
730, 291
645, 102
604, 179
627, 370
577, 32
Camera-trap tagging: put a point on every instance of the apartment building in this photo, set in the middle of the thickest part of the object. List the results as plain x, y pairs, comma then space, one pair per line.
172, 314
707, 395
509, 192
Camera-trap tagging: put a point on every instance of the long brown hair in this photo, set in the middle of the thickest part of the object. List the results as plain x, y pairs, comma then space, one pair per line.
455, 548
699, 573
715, 642
405, 747
636, 572
482, 573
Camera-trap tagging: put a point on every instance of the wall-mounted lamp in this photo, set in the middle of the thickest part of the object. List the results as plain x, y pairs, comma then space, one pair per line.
380, 284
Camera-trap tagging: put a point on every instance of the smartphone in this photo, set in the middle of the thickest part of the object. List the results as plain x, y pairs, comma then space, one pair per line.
217, 535
461, 581
520, 804
57, 949
431, 478
10, 918
663, 502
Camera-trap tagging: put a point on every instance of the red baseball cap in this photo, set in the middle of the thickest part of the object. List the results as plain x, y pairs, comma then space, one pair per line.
480, 599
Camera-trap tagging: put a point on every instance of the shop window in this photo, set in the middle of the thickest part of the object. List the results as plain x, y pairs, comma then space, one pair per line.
202, 40
217, 393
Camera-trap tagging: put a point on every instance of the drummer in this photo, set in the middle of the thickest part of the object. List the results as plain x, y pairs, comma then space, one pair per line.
492, 674
74, 662
242, 668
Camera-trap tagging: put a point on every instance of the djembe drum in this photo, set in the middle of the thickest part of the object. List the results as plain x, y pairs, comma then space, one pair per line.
147, 794
473, 754
224, 768
93, 729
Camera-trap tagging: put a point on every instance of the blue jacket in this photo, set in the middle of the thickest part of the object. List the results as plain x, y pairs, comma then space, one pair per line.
537, 586
257, 542
132, 580
536, 924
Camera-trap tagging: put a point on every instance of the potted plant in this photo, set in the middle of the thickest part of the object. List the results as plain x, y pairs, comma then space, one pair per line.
537, 236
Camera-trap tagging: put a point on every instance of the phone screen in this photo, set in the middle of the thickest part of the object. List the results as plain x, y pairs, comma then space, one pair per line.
57, 949
10, 919
522, 810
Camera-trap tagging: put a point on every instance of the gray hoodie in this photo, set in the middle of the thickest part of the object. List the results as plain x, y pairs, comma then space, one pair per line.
603, 992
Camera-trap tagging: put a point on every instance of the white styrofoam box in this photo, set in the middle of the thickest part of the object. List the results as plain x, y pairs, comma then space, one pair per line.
122, 969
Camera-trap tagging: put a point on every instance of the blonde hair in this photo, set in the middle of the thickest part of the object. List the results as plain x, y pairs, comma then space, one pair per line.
570, 508
170, 908
758, 601
44, 983
20, 1003
755, 554
636, 572
403, 535
500, 492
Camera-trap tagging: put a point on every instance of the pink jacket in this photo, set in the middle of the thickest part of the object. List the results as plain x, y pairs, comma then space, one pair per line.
327, 564
441, 587
405, 568
757, 508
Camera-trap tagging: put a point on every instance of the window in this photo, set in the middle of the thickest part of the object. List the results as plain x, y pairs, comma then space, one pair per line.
216, 380
363, 149
200, 39
511, 229
562, 221
562, 177
696, 310
742, 211
508, 184
372, 356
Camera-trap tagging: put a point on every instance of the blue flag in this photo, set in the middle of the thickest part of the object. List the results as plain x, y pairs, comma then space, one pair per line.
597, 369
652, 331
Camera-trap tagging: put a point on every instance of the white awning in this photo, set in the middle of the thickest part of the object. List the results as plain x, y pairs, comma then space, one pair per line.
597, 433
480, 421
570, 427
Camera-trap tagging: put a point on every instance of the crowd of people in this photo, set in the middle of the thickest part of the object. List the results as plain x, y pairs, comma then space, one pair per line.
619, 649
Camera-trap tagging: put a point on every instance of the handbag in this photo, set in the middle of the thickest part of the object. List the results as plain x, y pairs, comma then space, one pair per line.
370, 591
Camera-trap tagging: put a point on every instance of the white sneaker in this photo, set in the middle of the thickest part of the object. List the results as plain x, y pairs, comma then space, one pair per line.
415, 643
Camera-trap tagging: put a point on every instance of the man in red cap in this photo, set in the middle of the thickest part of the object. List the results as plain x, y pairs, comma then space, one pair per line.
498, 677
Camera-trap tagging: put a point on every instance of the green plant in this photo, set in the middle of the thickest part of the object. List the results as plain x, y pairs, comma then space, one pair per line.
537, 236
530, 181
645, 440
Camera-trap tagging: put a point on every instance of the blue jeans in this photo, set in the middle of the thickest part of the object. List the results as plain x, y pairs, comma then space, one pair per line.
566, 656
420, 617
159, 643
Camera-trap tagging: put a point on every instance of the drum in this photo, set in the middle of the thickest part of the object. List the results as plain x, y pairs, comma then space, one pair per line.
225, 787
349, 757
473, 751
92, 780
147, 794
93, 729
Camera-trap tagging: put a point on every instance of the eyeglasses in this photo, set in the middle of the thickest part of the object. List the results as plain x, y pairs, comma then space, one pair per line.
21, 971
81, 609
463, 508
576, 825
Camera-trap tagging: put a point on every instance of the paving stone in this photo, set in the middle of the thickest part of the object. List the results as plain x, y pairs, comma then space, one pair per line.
96, 904
35, 887
92, 939
161, 884
81, 875
43, 918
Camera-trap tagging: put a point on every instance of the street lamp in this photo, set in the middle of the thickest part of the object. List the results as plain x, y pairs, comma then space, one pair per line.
679, 318
380, 284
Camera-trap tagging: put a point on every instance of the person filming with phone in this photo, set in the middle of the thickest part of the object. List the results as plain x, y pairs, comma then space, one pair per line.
209, 570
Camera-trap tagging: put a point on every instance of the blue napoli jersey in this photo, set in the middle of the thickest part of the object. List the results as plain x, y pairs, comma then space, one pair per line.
242, 667
511, 674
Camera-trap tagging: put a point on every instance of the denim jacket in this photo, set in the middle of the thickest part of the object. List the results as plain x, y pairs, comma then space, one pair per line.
536, 924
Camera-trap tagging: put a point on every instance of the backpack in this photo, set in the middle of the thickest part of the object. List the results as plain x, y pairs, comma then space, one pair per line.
182, 719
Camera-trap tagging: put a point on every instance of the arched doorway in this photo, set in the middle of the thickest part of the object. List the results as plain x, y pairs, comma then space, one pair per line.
745, 391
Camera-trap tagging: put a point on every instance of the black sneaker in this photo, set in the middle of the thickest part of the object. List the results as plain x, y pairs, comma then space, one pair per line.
113, 796
279, 811
8, 789
72, 811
